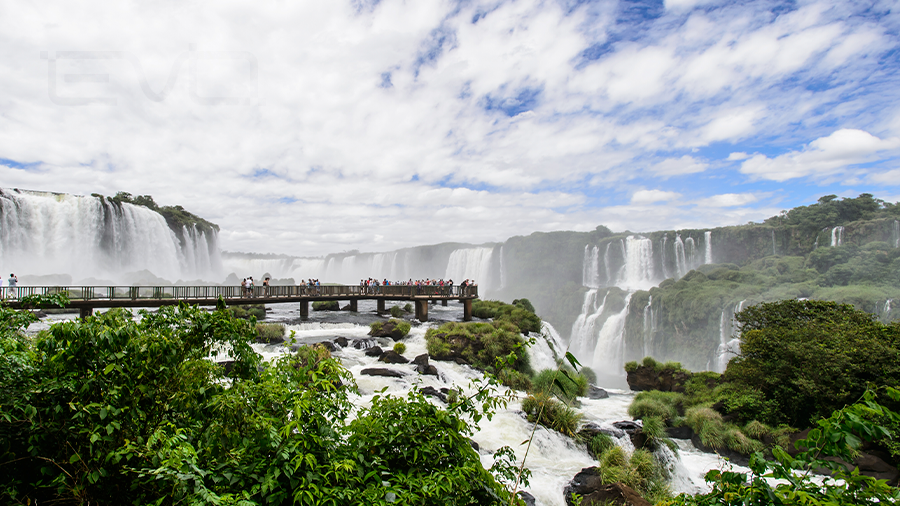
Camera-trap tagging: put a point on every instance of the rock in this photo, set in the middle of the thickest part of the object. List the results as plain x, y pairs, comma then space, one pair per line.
228, 365
627, 426
380, 371
364, 344
374, 351
327, 344
434, 392
428, 370
639, 439
592, 490
474, 444
421, 359
596, 393
679, 432
648, 378
326, 305
388, 329
590, 429
527, 498
392, 357
341, 341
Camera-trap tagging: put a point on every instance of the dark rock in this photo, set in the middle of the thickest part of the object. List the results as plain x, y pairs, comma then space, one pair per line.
327, 344
379, 371
589, 430
39, 314
527, 498
648, 378
475, 445
679, 432
363, 344
421, 359
392, 357
596, 393
433, 392
374, 351
228, 365
639, 439
461, 361
341, 341
627, 426
592, 490
429, 370
388, 329
326, 305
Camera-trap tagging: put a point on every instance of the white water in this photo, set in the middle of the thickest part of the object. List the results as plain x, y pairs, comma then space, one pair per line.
707, 243
729, 344
681, 265
502, 270
609, 354
44, 233
553, 459
837, 236
473, 264
895, 234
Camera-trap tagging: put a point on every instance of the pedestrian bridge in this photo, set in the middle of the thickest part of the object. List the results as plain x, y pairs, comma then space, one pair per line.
86, 298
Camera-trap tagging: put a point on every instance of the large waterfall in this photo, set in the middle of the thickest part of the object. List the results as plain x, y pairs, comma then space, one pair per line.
729, 345
89, 237
626, 266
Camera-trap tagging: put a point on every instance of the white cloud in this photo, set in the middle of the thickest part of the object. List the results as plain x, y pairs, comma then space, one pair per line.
678, 166
737, 155
652, 196
823, 156
728, 200
890, 177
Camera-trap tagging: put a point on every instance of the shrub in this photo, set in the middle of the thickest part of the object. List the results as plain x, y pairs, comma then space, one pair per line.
326, 305
269, 332
247, 311
631, 366
408, 308
567, 386
396, 312
655, 429
589, 375
547, 411
399, 348
375, 327
663, 405
599, 443
523, 319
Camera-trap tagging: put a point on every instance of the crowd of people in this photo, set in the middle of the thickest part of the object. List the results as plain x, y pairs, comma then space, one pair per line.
372, 285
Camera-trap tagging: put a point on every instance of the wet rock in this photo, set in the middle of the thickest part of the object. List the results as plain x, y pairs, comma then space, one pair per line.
327, 344
648, 378
527, 498
388, 329
364, 344
380, 371
596, 393
392, 357
474, 444
591, 429
590, 487
341, 341
421, 359
374, 351
428, 370
433, 392
679, 432
627, 426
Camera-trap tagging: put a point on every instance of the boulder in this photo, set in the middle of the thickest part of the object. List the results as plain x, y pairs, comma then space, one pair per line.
648, 378
679, 432
428, 370
380, 371
388, 329
326, 305
364, 344
341, 341
421, 359
596, 393
392, 357
590, 429
434, 392
592, 490
374, 351
627, 425
327, 344
527, 498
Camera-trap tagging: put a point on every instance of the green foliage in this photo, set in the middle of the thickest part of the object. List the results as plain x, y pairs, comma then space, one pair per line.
524, 319
400, 348
631, 366
838, 436
408, 308
563, 383
545, 410
403, 326
599, 443
654, 403
396, 311
116, 411
375, 327
491, 347
841, 349
524, 304
269, 332
640, 471
326, 305
247, 311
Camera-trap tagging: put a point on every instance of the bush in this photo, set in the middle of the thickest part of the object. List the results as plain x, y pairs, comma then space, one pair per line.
399, 348
326, 305
396, 312
525, 320
547, 411
599, 443
565, 385
270, 332
247, 311
490, 346
654, 403
408, 308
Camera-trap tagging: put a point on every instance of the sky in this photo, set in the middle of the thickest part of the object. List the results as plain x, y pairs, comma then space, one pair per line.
315, 127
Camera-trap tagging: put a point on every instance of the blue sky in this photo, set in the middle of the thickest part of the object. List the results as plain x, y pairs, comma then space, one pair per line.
319, 127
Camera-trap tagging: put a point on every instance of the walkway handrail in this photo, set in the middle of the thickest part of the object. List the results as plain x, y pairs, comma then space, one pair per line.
109, 293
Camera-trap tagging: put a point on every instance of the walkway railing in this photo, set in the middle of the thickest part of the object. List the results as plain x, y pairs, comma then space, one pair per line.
108, 293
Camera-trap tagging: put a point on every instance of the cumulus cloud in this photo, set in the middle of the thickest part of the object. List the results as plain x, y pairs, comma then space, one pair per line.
651, 196
728, 200
678, 166
822, 157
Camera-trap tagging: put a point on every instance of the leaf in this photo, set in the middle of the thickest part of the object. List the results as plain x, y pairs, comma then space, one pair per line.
108, 368
572, 360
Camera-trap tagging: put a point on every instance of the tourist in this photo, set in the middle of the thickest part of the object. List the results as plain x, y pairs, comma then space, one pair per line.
11, 291
244, 287
266, 287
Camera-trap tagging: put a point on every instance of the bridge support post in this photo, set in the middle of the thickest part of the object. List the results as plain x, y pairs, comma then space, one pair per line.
467, 310
85, 312
444, 302
353, 305
380, 309
422, 310
304, 310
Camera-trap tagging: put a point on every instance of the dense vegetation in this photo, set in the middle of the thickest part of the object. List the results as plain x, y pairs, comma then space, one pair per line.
176, 216
520, 313
116, 411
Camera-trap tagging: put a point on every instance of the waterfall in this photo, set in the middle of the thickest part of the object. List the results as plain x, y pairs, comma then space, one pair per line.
729, 345
895, 234
606, 265
502, 270
547, 349
638, 271
473, 264
680, 259
649, 327
837, 236
707, 240
609, 354
665, 270
690, 252
584, 334
590, 276
90, 237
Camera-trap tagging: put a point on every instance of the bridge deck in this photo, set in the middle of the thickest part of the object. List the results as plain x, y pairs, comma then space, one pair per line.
87, 298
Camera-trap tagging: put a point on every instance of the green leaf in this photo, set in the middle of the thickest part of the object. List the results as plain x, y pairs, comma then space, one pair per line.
573, 361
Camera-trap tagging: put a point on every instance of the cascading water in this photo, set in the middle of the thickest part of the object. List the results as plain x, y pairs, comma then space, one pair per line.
729, 345
584, 330
502, 270
470, 263
638, 270
707, 244
662, 250
837, 236
590, 275
681, 265
609, 354
90, 237
690, 252
895, 234
649, 327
